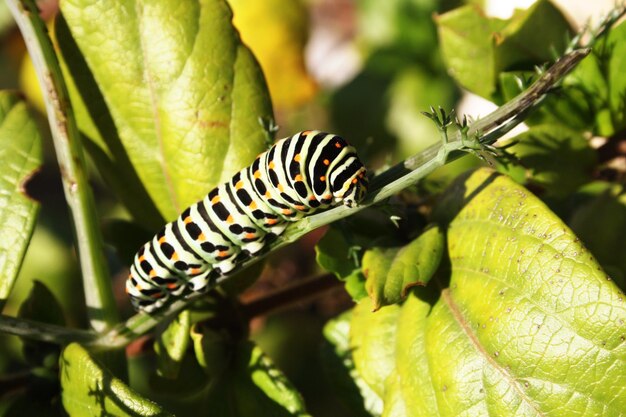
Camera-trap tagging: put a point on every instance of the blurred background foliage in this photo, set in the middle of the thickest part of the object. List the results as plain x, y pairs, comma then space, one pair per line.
364, 69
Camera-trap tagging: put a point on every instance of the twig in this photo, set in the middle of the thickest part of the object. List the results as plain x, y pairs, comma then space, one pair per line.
44, 332
298, 292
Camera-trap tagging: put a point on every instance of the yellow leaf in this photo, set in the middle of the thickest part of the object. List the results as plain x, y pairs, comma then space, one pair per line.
276, 31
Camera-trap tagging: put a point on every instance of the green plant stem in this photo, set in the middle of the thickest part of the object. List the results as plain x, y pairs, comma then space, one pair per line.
67, 143
44, 332
395, 179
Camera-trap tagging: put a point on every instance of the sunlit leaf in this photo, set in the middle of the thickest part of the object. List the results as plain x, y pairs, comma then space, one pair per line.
186, 103
476, 48
88, 389
20, 158
276, 31
527, 314
391, 272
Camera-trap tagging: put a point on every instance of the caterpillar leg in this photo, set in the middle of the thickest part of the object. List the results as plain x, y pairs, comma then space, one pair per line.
202, 282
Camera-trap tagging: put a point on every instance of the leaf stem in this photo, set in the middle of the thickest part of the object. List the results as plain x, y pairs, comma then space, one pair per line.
386, 184
67, 143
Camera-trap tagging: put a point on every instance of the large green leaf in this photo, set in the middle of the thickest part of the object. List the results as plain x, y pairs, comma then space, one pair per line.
20, 157
529, 325
185, 100
90, 390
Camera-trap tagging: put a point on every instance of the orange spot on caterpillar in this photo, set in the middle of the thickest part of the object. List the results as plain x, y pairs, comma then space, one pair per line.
222, 253
312, 198
230, 219
271, 165
281, 188
297, 157
194, 271
201, 237
267, 194
157, 295
271, 221
174, 256
323, 178
142, 258
298, 178
163, 239
252, 205
257, 174
354, 181
187, 220
306, 132
138, 287
328, 197
172, 286
337, 145
287, 211
250, 235
326, 162
300, 207
215, 199
239, 185
152, 273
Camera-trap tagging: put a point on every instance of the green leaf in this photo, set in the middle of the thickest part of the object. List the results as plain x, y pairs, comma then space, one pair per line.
467, 38
532, 36
212, 349
339, 366
20, 158
244, 380
90, 390
616, 66
529, 325
601, 224
372, 341
557, 158
391, 272
171, 345
334, 253
186, 99
477, 48
41, 305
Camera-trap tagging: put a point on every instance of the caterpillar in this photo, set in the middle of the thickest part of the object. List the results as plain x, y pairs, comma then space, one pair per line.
297, 176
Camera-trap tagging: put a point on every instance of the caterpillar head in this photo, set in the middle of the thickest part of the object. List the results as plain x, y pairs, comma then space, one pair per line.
350, 185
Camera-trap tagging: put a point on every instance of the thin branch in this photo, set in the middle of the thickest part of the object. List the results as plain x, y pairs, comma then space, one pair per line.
67, 143
384, 185
298, 292
44, 332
